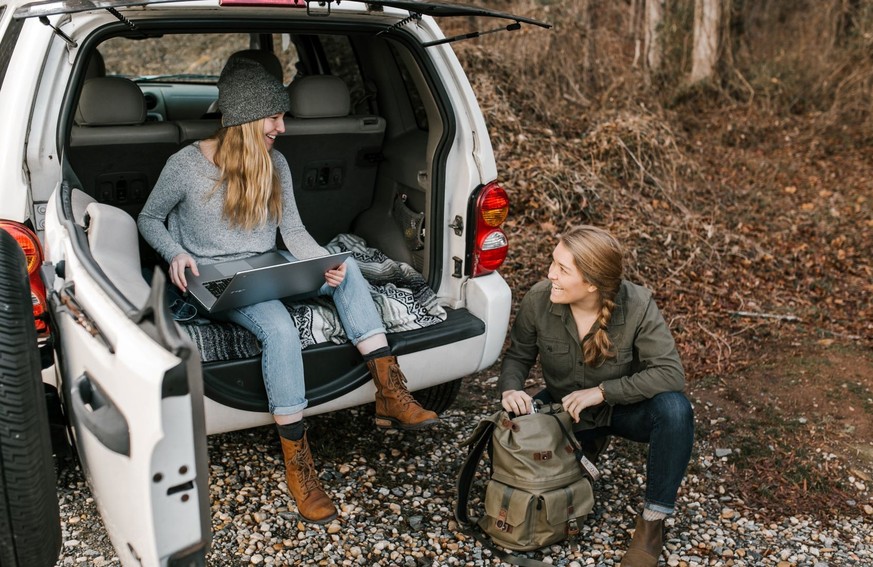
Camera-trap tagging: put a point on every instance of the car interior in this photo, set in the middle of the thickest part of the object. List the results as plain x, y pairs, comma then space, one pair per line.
364, 160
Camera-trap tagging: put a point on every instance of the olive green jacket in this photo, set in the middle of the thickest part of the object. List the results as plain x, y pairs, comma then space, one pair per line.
646, 361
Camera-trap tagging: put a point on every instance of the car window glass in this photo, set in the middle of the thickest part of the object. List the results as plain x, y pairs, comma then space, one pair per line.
415, 99
339, 59
343, 63
192, 58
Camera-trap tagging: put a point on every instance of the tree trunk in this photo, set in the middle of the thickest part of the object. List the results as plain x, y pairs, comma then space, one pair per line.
652, 39
707, 31
589, 56
637, 7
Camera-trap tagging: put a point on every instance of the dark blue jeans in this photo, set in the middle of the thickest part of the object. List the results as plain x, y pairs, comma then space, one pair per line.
666, 423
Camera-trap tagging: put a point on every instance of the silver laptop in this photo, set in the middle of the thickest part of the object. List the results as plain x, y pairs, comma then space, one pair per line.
235, 283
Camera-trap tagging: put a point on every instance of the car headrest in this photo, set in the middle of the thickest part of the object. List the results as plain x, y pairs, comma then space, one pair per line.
319, 96
110, 101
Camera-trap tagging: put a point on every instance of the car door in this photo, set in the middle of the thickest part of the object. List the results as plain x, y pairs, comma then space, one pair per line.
132, 389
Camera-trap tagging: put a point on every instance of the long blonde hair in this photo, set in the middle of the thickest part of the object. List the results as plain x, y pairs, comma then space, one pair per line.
598, 256
254, 192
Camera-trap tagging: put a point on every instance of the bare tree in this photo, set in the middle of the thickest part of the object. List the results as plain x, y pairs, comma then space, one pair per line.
589, 55
652, 28
635, 23
707, 32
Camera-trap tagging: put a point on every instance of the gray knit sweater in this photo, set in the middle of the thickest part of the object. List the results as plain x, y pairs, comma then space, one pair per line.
195, 223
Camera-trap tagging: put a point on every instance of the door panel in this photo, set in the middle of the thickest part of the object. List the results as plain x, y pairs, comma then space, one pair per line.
134, 397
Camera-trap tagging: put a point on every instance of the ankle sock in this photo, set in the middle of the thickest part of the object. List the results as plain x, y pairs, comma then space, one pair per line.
378, 353
652, 515
291, 431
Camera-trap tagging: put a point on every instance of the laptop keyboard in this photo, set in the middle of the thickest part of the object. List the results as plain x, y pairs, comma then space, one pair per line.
217, 287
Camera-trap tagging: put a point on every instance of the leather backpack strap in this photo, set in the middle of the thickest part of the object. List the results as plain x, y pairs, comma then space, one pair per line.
588, 468
468, 469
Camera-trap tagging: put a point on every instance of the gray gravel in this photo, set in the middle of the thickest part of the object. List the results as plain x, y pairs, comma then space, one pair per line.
395, 491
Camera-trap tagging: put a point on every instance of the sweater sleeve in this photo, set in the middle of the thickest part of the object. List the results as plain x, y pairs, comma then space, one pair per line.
298, 240
167, 193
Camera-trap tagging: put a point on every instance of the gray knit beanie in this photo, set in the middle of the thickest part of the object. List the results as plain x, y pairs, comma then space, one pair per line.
248, 92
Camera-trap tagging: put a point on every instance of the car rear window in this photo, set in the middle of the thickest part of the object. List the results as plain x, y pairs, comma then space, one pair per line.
182, 57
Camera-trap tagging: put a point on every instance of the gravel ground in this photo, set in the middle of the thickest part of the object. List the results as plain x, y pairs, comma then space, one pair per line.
395, 491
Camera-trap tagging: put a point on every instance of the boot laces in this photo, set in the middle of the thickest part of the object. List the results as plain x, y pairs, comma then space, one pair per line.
397, 380
306, 469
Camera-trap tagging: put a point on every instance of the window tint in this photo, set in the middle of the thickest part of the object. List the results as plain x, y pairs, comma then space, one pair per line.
286, 51
7, 44
193, 58
411, 91
335, 55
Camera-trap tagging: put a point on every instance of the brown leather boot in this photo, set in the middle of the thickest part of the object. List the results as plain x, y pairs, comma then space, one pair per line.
395, 406
313, 503
646, 545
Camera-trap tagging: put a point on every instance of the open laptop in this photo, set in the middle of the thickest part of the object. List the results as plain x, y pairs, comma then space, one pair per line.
235, 283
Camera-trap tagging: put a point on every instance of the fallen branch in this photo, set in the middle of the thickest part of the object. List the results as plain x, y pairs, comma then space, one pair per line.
792, 318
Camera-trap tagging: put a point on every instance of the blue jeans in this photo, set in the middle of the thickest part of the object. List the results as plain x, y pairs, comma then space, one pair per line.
281, 355
666, 423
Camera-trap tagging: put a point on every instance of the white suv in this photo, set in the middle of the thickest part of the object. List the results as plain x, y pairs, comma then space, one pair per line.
391, 152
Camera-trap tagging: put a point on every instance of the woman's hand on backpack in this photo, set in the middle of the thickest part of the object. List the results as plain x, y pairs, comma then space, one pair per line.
517, 402
575, 402
177, 270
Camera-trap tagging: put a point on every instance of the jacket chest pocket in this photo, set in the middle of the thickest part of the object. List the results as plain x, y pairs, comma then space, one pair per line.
556, 356
618, 367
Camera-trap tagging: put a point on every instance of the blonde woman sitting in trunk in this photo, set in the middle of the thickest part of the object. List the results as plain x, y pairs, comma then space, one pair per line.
223, 199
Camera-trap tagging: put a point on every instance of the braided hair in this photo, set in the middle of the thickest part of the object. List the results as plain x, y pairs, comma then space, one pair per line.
598, 256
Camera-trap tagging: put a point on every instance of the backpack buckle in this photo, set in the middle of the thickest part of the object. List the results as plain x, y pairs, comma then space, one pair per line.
572, 527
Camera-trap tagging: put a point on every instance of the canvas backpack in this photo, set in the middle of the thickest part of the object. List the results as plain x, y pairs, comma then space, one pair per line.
539, 487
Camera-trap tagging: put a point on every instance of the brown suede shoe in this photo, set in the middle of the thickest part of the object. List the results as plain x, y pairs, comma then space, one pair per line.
395, 406
646, 545
313, 503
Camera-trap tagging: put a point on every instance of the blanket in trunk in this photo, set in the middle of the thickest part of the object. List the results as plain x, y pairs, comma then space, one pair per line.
401, 295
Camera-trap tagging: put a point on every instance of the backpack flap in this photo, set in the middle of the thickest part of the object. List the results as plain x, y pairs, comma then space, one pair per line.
510, 517
569, 503
508, 505
531, 452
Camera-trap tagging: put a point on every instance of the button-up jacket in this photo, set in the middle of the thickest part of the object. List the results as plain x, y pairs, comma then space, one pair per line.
646, 362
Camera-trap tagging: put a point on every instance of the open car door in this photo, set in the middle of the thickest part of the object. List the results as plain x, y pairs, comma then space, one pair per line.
132, 389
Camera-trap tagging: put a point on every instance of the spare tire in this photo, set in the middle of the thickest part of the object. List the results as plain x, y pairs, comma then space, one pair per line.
30, 530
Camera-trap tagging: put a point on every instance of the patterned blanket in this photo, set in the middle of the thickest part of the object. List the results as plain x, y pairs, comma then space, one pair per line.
402, 297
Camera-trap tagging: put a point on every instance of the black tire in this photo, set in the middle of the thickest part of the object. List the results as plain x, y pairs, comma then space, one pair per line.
30, 529
439, 398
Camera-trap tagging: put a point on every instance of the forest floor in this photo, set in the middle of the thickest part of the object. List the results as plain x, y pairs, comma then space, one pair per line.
754, 231
796, 404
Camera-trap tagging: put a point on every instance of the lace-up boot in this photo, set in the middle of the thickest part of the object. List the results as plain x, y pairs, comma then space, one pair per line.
313, 504
395, 406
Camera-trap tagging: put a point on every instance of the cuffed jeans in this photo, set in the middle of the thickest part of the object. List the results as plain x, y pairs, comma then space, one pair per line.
281, 354
666, 423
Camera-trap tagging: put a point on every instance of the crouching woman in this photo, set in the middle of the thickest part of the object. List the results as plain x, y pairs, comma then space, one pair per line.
608, 357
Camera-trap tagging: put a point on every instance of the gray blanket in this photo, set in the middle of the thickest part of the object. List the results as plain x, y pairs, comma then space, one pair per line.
402, 297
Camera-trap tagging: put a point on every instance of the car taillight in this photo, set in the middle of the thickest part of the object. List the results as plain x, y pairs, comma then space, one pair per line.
32, 248
488, 244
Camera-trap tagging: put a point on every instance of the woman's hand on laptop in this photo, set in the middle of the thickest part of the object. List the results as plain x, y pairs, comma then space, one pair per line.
177, 270
336, 276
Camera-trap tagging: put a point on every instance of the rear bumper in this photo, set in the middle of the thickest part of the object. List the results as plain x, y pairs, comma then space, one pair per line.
470, 340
